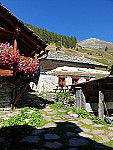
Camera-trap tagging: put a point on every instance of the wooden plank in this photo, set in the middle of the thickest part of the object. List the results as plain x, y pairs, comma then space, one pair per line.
19, 95
35, 57
78, 97
6, 72
4, 30
101, 106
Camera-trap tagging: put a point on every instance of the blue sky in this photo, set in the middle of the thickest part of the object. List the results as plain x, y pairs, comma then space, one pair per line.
81, 18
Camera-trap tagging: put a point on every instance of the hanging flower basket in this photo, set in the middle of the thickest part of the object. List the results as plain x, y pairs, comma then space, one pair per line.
25, 66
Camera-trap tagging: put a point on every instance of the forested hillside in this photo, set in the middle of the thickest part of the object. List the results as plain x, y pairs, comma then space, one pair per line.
51, 37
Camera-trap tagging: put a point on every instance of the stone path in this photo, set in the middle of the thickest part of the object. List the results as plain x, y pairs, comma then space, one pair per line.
57, 127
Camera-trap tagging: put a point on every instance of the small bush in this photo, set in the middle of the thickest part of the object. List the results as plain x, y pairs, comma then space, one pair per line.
97, 120
83, 113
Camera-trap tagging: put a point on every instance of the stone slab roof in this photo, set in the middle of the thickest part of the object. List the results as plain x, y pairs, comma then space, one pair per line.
63, 57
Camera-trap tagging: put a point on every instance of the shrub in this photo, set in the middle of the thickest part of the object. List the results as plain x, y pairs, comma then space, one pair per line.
83, 113
97, 120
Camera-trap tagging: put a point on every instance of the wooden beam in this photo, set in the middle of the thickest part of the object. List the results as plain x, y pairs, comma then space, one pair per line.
101, 105
4, 30
78, 98
35, 57
19, 95
26, 43
31, 40
15, 44
8, 20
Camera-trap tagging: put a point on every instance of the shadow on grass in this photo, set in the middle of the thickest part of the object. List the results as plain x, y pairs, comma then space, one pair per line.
30, 99
65, 133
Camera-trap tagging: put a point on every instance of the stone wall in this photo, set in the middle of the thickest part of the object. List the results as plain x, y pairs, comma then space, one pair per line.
68, 81
5, 94
50, 96
45, 83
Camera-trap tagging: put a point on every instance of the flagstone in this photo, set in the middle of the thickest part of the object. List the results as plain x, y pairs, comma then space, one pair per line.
97, 125
48, 109
97, 131
52, 113
67, 117
110, 134
75, 122
48, 118
62, 110
82, 134
53, 145
111, 128
71, 126
37, 131
51, 136
56, 118
78, 142
87, 121
99, 145
48, 125
30, 139
81, 129
104, 138
73, 149
74, 115
59, 120
85, 129
70, 133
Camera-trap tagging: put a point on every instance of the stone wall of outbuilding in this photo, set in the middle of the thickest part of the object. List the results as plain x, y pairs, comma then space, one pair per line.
5, 94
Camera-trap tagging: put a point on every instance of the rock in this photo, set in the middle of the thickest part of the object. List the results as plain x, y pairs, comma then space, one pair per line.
82, 134
104, 138
48, 125
111, 128
78, 142
73, 149
71, 126
98, 145
37, 131
70, 133
30, 139
87, 121
51, 136
74, 115
97, 125
48, 118
53, 145
62, 110
97, 131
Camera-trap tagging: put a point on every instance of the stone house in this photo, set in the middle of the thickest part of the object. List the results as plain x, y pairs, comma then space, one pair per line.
77, 69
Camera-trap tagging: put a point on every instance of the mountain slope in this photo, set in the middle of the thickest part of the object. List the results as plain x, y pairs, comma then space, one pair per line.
94, 43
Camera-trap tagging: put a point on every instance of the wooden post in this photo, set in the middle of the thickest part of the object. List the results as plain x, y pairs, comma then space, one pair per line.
43, 87
35, 57
101, 106
15, 44
78, 97
83, 99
